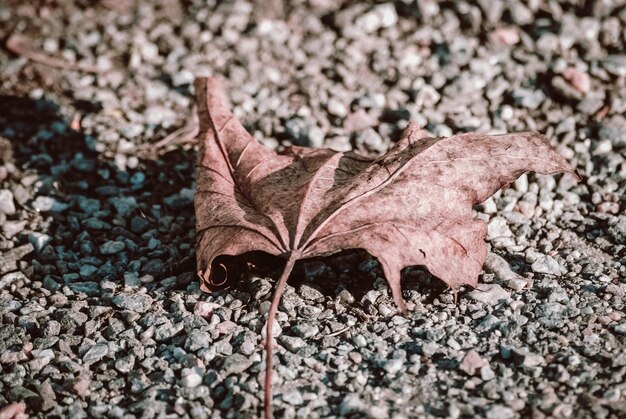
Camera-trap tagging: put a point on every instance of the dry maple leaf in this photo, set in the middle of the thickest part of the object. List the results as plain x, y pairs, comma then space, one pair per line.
411, 206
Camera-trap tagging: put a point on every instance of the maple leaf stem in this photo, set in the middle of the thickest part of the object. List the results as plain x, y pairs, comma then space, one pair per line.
269, 340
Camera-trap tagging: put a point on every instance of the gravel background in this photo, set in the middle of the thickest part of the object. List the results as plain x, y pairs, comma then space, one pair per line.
101, 312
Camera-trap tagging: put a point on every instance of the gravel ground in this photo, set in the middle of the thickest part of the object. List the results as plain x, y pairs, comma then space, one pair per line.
101, 312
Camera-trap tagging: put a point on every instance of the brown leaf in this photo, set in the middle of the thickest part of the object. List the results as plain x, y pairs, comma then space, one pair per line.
412, 206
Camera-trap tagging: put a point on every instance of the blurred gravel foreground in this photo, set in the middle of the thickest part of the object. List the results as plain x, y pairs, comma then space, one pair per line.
101, 313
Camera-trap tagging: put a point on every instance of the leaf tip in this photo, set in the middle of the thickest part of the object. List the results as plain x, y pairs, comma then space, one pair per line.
206, 89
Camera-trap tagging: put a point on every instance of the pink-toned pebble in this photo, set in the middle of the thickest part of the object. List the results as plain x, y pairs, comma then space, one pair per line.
506, 36
579, 79
204, 308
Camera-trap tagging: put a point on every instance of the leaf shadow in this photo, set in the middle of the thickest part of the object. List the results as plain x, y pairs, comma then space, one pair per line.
353, 270
139, 206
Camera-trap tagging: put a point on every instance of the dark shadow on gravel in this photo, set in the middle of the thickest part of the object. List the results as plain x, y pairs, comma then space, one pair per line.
86, 203
357, 272
354, 271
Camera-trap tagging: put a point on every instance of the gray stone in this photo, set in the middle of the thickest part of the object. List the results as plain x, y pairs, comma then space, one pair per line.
310, 292
359, 341
352, 403
90, 288
489, 294
21, 194
293, 397
488, 323
95, 224
591, 103
42, 357
370, 140
620, 328
95, 353
550, 310
48, 204
393, 366
192, 377
530, 99
134, 302
276, 329
182, 77
346, 297
305, 330
87, 271
615, 64
486, 373
292, 343
492, 10
430, 348
12, 228
197, 339
566, 89
498, 227
379, 17
500, 412
11, 279
12, 357
7, 206
125, 364
368, 265
260, 288
18, 253
547, 265
520, 13
131, 131
50, 284
48, 397
613, 129
88, 205
618, 230
503, 272
51, 328
124, 206
159, 115
336, 107
599, 148
235, 364
248, 347
39, 240
181, 200
167, 331
112, 247
139, 224
131, 279
526, 358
